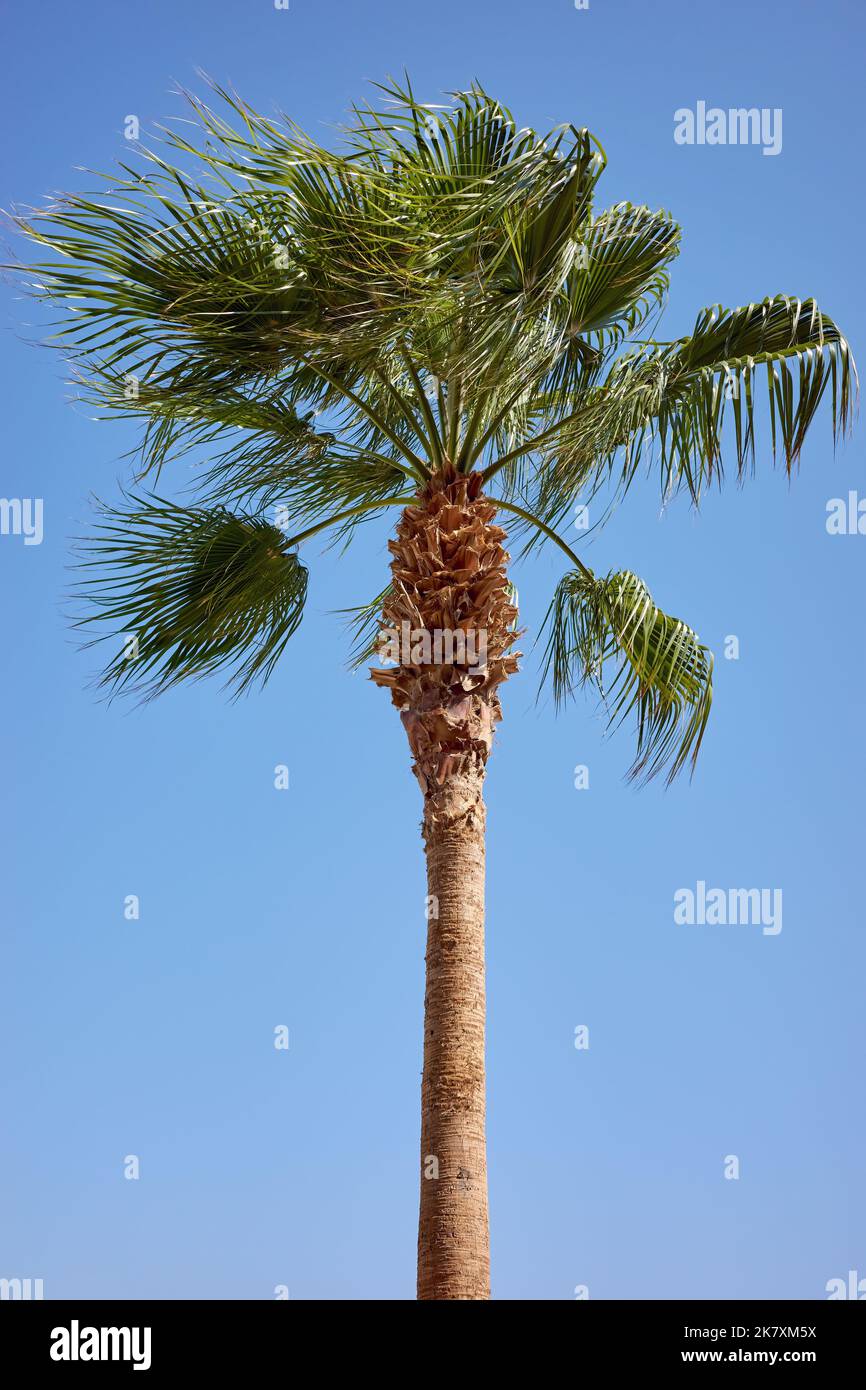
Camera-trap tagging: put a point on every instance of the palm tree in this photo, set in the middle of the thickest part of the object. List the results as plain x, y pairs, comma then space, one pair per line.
432, 317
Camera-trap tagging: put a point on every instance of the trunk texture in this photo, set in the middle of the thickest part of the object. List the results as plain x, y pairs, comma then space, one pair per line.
453, 1234
448, 577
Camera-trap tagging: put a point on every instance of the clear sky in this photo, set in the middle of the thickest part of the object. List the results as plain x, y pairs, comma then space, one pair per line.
305, 907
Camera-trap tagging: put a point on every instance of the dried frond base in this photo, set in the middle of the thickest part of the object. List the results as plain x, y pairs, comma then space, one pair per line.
449, 574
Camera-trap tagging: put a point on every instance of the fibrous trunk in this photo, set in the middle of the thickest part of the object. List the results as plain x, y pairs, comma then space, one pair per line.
449, 579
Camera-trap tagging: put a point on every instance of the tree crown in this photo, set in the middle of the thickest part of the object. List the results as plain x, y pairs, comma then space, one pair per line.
442, 291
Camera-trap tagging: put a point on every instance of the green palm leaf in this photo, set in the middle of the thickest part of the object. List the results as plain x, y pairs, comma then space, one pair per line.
322, 331
660, 671
186, 591
673, 401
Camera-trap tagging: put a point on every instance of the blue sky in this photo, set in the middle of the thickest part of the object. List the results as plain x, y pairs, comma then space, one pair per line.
305, 908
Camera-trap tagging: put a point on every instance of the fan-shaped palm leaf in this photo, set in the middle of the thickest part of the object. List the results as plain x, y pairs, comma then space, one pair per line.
661, 672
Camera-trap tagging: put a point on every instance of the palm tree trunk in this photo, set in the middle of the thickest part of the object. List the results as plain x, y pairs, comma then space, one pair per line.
448, 576
453, 1235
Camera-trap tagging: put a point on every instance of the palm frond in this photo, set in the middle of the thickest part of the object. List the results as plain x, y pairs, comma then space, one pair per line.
184, 592
713, 374
620, 275
365, 624
438, 291
675, 399
668, 405
661, 673
184, 410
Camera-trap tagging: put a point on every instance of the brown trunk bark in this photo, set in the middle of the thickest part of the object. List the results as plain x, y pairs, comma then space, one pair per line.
453, 1235
448, 575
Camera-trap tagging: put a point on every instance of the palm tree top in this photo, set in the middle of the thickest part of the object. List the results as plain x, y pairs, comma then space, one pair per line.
341, 329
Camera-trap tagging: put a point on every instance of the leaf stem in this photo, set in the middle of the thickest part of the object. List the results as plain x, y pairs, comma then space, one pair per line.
351, 511
546, 530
